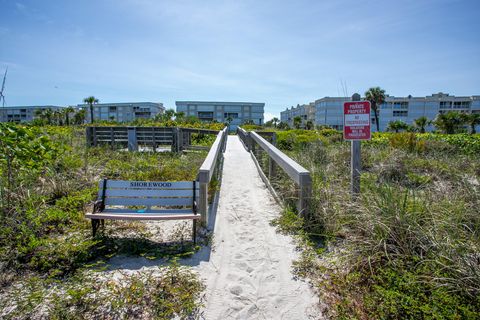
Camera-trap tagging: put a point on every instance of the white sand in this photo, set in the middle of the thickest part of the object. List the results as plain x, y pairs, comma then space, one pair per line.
248, 273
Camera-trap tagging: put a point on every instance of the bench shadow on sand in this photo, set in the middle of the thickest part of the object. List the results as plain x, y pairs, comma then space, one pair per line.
123, 262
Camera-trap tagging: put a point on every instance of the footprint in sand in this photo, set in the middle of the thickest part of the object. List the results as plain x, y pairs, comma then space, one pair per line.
236, 290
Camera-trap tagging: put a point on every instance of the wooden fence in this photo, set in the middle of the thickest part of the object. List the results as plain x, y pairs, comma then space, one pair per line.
212, 164
153, 137
253, 141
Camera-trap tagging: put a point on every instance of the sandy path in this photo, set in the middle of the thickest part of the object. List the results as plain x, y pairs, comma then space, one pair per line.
248, 274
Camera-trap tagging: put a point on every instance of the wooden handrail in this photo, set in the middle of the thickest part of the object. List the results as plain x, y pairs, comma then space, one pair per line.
276, 157
295, 171
208, 166
206, 172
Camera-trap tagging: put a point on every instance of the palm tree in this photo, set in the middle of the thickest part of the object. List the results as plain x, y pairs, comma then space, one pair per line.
309, 125
275, 121
283, 126
297, 122
168, 114
229, 120
421, 123
48, 113
57, 117
91, 101
472, 119
449, 122
397, 125
376, 96
79, 117
179, 116
67, 111
40, 113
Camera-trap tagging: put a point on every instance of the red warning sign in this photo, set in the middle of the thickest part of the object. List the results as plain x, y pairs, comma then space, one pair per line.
356, 120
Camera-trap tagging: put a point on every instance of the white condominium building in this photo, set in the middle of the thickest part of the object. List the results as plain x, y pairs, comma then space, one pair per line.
329, 110
237, 112
23, 113
124, 111
306, 112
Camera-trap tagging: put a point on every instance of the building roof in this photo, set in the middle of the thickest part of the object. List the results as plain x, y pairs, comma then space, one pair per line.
32, 107
122, 103
219, 102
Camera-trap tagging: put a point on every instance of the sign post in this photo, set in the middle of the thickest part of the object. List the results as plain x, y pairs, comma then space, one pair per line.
356, 127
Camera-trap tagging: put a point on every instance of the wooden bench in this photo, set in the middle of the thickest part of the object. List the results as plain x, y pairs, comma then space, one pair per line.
145, 200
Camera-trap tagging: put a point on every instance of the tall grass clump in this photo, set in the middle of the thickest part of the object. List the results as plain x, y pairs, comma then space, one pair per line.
408, 247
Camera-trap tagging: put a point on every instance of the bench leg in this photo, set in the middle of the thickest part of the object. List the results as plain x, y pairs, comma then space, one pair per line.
194, 232
102, 224
95, 224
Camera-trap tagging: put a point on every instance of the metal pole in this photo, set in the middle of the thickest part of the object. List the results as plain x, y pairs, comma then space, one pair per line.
356, 167
355, 160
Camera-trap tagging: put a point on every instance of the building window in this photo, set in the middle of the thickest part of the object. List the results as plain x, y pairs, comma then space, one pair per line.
112, 109
445, 104
400, 113
205, 116
461, 105
400, 105
233, 115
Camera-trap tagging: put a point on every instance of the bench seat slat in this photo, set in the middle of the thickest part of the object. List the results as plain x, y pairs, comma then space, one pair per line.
148, 193
149, 202
147, 211
127, 216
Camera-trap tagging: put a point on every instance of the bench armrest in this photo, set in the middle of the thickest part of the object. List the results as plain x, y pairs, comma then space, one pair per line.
98, 206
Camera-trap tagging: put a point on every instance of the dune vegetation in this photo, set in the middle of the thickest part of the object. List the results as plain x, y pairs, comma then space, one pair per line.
48, 258
408, 246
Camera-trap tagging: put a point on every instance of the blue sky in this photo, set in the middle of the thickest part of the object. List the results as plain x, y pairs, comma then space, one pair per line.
278, 52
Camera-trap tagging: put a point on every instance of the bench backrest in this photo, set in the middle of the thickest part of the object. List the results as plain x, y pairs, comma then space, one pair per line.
148, 193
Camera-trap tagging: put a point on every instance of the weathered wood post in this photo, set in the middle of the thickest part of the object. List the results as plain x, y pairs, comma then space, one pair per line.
112, 138
304, 194
94, 133
203, 178
179, 139
88, 134
271, 164
132, 139
174, 139
355, 160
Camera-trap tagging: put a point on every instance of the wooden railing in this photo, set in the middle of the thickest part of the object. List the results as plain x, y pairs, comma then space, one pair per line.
212, 164
300, 175
153, 137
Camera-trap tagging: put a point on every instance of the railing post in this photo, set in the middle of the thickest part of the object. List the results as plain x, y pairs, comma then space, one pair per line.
112, 138
225, 137
274, 139
88, 134
271, 168
132, 139
174, 139
304, 195
94, 133
203, 198
179, 139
